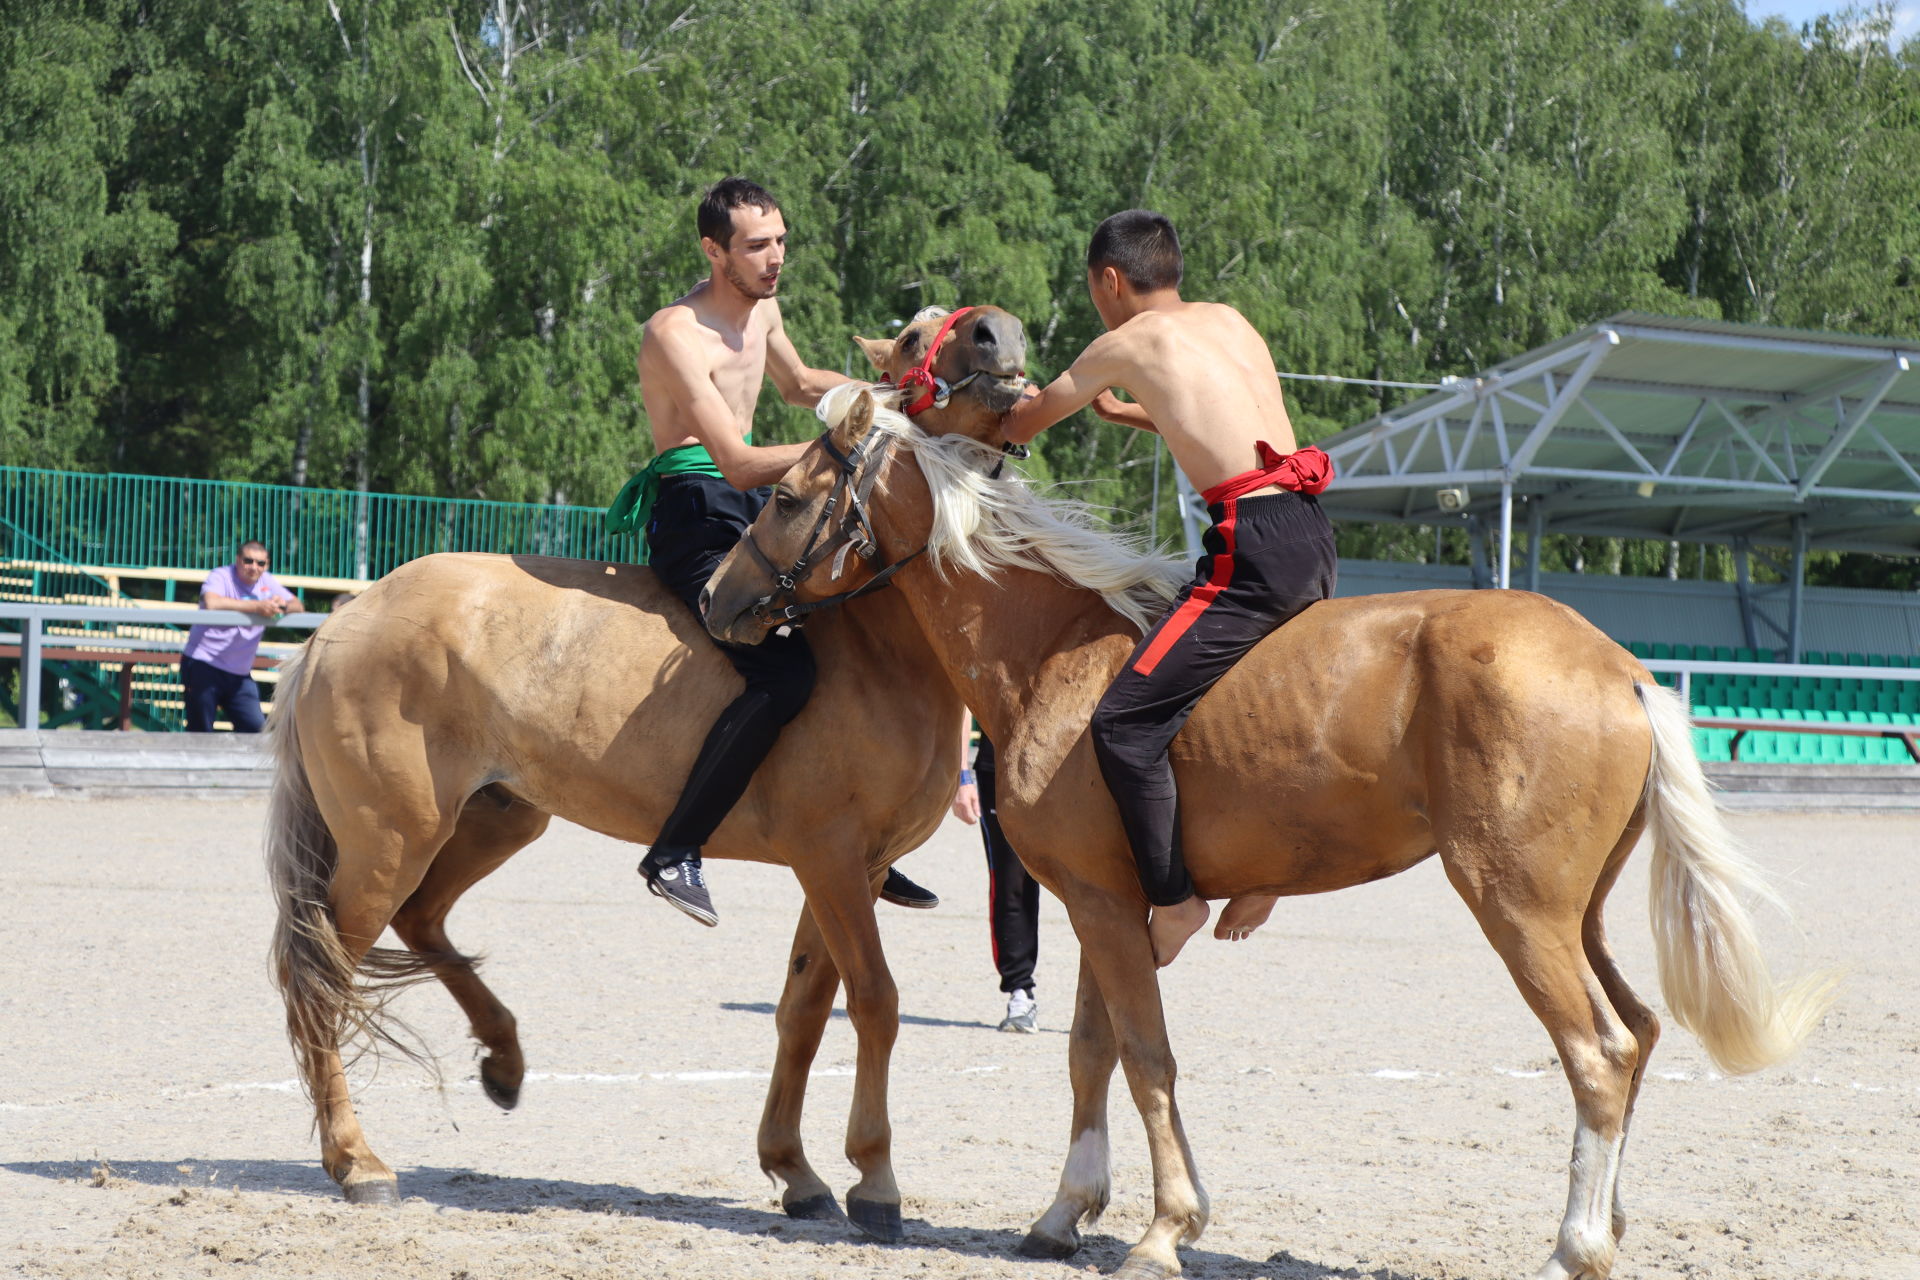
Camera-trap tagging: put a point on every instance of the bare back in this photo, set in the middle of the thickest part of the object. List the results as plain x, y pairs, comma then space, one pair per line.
693, 362
1205, 377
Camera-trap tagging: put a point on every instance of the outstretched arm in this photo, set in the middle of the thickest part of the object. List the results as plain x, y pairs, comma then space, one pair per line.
797, 384
1084, 383
672, 365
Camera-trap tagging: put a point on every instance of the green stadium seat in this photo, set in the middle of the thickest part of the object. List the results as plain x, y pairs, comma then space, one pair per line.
1661, 650
1888, 702
1765, 655
1745, 655
1876, 659
1639, 648
1721, 653
1856, 659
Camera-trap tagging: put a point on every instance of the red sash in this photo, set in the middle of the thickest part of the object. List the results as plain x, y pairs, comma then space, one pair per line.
1308, 471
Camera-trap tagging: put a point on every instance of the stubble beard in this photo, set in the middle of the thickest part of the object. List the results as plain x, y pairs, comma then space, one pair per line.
751, 288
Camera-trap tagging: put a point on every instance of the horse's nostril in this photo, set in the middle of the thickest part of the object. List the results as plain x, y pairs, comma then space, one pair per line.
983, 335
706, 598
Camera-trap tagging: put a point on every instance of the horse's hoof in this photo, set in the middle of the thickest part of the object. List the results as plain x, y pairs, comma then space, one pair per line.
373, 1191
1142, 1269
820, 1208
1036, 1245
505, 1096
881, 1221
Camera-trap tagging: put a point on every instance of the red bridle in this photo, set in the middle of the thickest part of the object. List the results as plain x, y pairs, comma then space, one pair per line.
922, 375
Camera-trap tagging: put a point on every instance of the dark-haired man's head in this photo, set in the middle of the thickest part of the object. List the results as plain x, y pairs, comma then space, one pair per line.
250, 562
744, 236
1142, 246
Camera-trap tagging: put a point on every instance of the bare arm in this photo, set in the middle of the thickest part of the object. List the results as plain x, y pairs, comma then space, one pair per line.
966, 800
671, 364
796, 383
1084, 383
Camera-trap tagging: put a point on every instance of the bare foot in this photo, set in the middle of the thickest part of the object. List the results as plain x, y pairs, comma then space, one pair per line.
1170, 927
1243, 915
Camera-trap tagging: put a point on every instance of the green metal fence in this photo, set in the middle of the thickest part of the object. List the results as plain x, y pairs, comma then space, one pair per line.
128, 521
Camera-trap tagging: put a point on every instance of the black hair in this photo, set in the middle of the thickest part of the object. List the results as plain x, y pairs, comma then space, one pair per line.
255, 542
1141, 245
723, 197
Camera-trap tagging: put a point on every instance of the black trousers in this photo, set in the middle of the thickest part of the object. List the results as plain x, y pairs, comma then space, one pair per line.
696, 520
1268, 557
1013, 896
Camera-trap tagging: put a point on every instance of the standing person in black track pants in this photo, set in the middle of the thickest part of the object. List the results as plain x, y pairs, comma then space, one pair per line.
1013, 896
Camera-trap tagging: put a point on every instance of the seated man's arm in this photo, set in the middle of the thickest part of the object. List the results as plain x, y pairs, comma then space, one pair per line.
1084, 383
796, 383
671, 364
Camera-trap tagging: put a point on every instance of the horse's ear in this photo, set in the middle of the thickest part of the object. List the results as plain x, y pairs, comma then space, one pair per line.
854, 427
879, 350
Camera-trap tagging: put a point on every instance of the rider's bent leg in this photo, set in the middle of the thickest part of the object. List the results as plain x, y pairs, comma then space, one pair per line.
696, 522
1268, 558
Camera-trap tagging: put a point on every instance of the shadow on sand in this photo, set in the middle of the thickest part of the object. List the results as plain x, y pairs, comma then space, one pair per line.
489, 1193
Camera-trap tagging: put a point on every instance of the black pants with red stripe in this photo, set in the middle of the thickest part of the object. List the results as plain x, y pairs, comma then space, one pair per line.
1268, 557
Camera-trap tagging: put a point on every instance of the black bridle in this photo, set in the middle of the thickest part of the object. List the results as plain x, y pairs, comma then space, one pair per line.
853, 533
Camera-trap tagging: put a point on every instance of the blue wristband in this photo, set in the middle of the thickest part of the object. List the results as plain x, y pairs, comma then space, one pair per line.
968, 778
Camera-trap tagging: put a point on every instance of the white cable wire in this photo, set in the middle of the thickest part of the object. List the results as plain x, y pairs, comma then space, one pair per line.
1363, 382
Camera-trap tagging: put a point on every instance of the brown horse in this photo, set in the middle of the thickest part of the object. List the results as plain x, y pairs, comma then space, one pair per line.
426, 734
1497, 729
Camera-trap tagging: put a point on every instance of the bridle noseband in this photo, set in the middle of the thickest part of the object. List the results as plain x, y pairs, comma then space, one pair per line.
853, 533
934, 390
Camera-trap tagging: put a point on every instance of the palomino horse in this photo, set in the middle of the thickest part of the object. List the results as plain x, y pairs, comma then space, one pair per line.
426, 734
1497, 729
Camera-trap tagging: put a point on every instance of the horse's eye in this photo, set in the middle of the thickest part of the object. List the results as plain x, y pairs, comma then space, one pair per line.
785, 502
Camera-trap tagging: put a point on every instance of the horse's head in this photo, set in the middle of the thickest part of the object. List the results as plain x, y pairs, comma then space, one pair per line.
818, 542
981, 351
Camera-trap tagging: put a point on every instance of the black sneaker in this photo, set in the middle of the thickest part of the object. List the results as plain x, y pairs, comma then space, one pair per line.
673, 872
902, 892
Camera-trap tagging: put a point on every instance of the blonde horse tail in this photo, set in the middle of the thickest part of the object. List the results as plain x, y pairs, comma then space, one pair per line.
1712, 971
328, 1004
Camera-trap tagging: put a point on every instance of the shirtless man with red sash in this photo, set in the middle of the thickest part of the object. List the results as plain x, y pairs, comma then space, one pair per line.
1202, 378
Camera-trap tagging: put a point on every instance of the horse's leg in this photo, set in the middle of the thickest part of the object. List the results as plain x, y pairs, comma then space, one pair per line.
840, 898
387, 829
806, 1002
1114, 939
1522, 901
1086, 1182
492, 828
1640, 1019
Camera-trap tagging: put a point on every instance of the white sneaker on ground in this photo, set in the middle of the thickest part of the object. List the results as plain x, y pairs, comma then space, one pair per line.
1023, 1013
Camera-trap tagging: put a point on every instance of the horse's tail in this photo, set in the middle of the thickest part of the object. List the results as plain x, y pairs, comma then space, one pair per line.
1712, 972
328, 1006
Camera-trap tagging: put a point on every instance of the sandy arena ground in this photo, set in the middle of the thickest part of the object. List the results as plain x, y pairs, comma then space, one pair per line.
1366, 1094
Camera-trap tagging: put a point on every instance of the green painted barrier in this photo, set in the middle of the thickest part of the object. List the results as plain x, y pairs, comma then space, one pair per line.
129, 521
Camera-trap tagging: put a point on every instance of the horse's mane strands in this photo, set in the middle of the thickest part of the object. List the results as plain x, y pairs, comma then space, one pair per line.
982, 524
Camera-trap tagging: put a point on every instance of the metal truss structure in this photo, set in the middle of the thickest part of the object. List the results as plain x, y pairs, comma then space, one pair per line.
1646, 426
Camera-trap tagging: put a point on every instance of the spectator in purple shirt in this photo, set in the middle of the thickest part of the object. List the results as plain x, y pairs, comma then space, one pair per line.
217, 664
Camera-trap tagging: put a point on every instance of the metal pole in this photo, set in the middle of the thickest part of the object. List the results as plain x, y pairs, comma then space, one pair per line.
1536, 528
1191, 510
30, 673
1503, 578
1743, 583
1798, 590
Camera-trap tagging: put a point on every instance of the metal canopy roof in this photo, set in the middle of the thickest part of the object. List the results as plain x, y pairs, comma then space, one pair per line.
1655, 427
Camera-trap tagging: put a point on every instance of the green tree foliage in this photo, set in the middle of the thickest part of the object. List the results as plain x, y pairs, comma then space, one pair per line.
405, 245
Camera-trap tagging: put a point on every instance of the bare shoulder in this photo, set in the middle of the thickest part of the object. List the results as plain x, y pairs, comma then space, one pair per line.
674, 330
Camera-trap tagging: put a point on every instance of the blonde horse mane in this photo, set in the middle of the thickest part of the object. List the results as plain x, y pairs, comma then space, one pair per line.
982, 524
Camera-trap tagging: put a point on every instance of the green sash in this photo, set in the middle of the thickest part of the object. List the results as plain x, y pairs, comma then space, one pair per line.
631, 511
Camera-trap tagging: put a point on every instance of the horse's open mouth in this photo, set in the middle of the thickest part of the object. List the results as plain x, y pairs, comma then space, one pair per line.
999, 392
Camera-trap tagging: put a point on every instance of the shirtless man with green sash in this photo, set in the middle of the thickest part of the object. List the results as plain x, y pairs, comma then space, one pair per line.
703, 359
